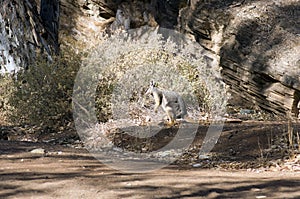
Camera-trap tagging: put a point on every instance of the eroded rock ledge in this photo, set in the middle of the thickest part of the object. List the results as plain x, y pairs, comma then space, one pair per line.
259, 47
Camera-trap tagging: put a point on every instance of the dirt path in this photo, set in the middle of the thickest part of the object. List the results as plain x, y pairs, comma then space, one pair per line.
73, 173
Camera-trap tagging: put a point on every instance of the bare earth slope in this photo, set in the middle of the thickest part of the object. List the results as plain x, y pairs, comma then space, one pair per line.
75, 174
235, 171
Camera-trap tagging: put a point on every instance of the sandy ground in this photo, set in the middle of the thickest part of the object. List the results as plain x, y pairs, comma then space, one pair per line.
73, 173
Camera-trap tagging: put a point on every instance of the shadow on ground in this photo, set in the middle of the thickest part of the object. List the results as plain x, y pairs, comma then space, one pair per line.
63, 172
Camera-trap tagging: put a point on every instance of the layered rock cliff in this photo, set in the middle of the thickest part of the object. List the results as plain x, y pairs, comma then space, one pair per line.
259, 47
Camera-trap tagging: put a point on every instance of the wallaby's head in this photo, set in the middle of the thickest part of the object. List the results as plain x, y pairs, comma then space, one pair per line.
152, 88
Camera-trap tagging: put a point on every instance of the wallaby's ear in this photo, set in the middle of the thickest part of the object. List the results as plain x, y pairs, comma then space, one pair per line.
153, 84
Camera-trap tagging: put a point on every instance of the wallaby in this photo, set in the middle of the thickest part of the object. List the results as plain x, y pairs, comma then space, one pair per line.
171, 102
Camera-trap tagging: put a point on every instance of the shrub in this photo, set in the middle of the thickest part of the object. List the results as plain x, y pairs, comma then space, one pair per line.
5, 90
41, 94
123, 66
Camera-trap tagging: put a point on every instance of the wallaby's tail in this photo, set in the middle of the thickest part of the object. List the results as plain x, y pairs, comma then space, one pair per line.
183, 111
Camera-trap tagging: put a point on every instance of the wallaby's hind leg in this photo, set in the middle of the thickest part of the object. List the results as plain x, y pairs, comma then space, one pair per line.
171, 115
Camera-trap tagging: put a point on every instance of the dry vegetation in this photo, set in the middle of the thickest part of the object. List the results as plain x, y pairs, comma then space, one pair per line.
121, 69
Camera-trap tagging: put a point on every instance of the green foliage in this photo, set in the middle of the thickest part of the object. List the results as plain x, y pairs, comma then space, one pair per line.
42, 94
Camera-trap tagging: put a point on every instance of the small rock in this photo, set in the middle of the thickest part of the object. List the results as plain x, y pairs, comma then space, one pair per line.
38, 151
246, 111
260, 197
197, 165
204, 157
255, 189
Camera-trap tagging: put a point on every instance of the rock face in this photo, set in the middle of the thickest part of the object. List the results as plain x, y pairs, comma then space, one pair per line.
22, 35
257, 42
259, 47
49, 12
86, 20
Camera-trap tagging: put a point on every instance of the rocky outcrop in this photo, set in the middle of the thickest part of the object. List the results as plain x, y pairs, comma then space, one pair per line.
164, 13
22, 35
259, 47
257, 41
87, 20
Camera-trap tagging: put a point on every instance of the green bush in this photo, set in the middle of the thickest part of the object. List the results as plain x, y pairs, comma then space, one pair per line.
42, 94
